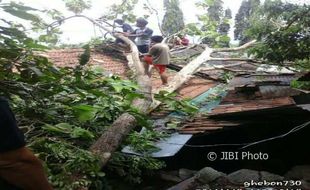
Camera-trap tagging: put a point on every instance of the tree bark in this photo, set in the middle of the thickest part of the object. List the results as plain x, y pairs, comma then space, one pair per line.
110, 140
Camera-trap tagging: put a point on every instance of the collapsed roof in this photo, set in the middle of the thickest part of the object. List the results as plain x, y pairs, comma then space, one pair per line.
254, 87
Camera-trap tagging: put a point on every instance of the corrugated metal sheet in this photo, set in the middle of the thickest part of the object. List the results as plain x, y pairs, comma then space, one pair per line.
254, 80
252, 105
304, 106
272, 91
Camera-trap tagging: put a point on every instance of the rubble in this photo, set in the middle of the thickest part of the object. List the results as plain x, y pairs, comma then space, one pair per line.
209, 178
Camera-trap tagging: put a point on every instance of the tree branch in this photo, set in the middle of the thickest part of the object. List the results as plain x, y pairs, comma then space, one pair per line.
187, 71
244, 46
234, 59
139, 67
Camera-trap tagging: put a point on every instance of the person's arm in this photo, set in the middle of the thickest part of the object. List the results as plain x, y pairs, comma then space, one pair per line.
153, 50
127, 28
131, 34
148, 32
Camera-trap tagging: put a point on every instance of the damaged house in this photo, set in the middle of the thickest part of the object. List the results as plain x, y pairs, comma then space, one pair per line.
256, 112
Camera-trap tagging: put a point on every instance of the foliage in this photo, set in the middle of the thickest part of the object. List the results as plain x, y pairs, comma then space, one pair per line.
242, 19
305, 85
227, 76
77, 6
173, 20
31, 17
224, 28
171, 104
85, 56
144, 142
132, 167
286, 37
215, 24
62, 159
63, 110
67, 113
124, 10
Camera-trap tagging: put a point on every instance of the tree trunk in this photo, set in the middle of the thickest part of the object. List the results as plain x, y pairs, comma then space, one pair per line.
110, 140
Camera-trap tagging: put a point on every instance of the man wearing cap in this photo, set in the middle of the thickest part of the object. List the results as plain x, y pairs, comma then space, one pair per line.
159, 57
18, 165
142, 34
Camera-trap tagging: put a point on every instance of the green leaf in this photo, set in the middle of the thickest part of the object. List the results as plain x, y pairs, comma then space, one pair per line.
85, 112
22, 7
118, 87
64, 128
32, 44
79, 132
22, 14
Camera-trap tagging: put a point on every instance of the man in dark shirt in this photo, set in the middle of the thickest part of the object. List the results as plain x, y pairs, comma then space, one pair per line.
142, 34
126, 29
18, 165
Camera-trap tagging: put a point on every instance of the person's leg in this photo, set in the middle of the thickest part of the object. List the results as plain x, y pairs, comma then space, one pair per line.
21, 168
148, 64
162, 73
147, 69
150, 70
164, 78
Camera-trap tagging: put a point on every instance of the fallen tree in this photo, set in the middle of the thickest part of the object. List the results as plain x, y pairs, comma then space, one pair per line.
111, 139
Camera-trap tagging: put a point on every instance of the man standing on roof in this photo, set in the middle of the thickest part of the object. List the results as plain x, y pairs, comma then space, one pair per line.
142, 34
18, 165
126, 29
159, 57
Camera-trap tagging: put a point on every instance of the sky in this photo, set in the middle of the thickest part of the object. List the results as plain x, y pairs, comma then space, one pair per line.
79, 30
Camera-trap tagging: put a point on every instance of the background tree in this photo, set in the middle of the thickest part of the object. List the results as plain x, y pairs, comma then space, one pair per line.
215, 10
283, 31
124, 10
211, 20
173, 20
224, 28
242, 19
77, 6
215, 25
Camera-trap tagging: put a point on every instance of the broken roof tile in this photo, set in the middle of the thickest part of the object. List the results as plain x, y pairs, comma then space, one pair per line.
252, 105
